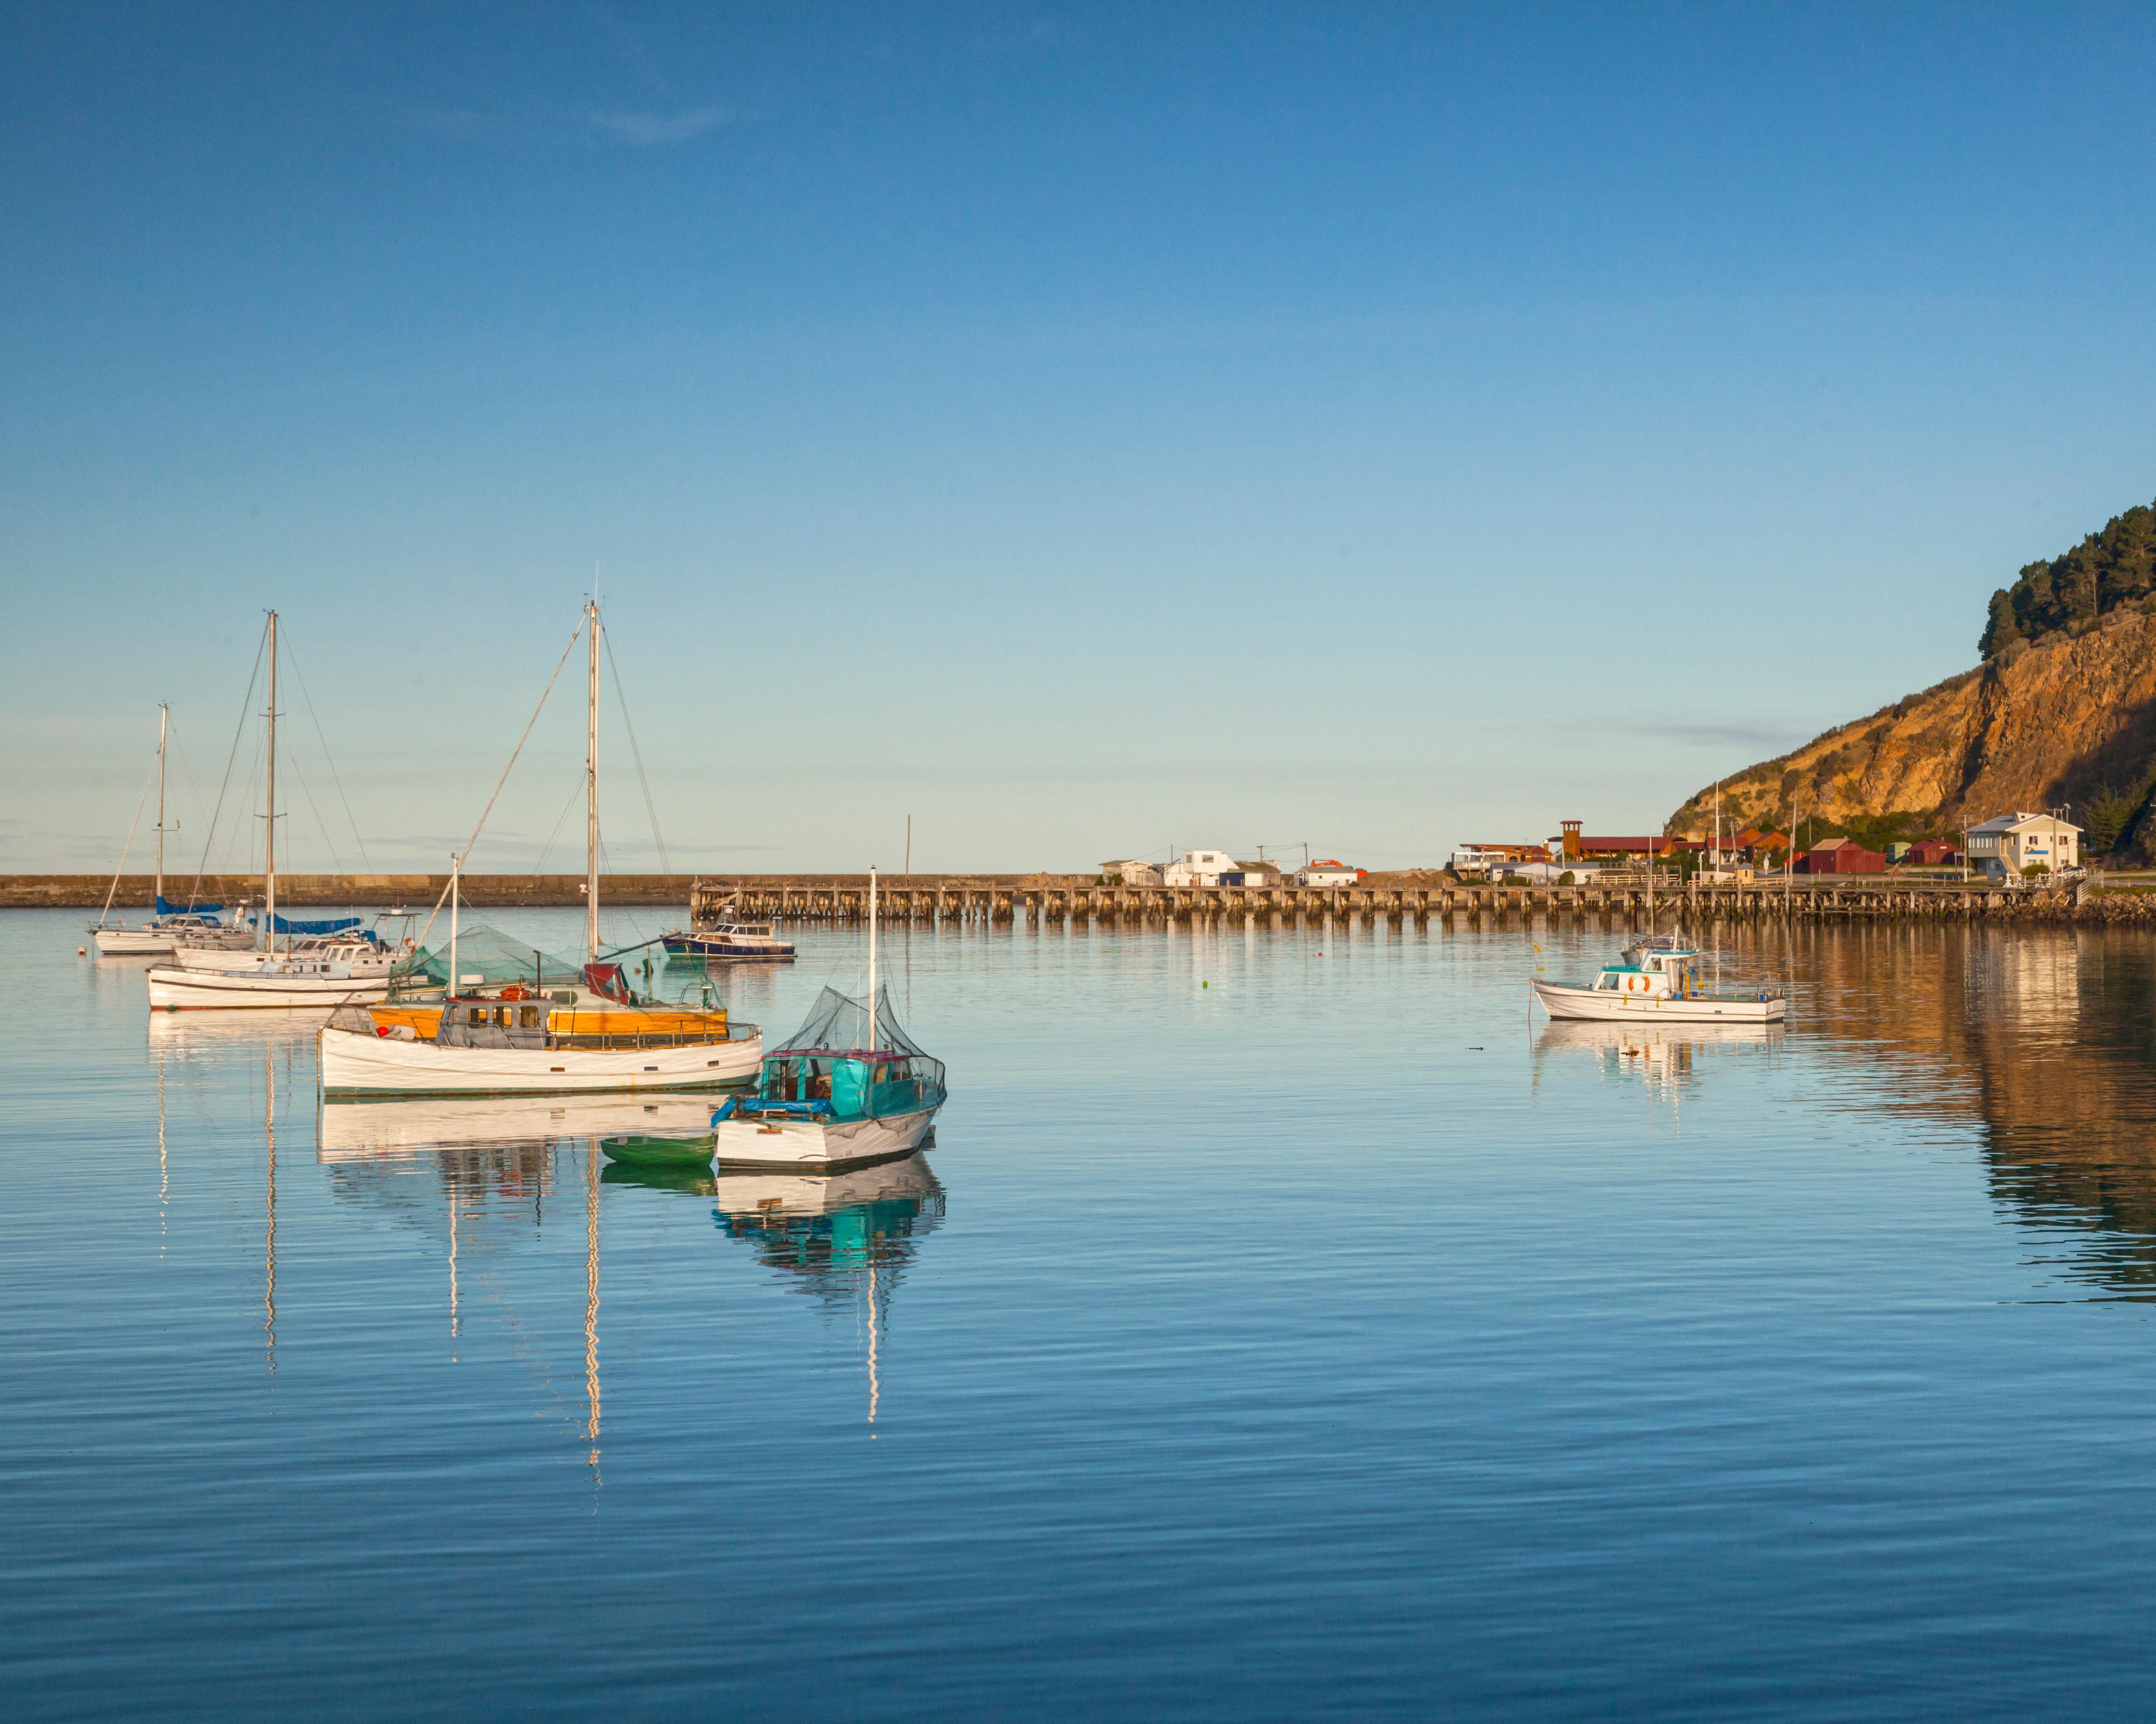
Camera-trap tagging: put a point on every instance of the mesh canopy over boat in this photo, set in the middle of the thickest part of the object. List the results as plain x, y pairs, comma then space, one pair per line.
492, 956
837, 1024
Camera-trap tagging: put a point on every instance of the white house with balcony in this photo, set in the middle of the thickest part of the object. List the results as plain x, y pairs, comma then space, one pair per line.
2004, 848
1198, 868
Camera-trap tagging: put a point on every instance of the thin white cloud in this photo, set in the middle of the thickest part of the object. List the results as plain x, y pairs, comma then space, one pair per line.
645, 130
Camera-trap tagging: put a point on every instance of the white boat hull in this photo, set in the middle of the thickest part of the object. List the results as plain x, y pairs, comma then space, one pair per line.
130, 942
355, 1062
1614, 1006
819, 1145
176, 990
218, 959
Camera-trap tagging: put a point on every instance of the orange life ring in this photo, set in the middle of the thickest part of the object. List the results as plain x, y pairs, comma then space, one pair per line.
515, 991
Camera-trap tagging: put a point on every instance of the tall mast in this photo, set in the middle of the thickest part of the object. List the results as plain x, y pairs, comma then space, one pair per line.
592, 796
456, 864
872, 975
270, 825
164, 719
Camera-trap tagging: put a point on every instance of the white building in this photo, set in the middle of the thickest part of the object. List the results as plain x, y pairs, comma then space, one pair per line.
1132, 873
1198, 868
1549, 873
1328, 873
2002, 847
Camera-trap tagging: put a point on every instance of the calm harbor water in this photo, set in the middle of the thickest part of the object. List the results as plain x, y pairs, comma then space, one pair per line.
1282, 1327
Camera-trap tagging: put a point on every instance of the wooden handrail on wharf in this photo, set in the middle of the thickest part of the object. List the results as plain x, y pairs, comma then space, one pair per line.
961, 901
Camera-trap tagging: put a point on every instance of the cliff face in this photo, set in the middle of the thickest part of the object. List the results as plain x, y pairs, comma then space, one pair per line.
2035, 727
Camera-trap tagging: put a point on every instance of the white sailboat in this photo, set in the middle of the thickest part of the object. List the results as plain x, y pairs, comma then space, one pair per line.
509, 1029
272, 980
169, 925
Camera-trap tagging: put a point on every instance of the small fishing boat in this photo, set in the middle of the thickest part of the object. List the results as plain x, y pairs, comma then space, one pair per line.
846, 1090
727, 938
1658, 977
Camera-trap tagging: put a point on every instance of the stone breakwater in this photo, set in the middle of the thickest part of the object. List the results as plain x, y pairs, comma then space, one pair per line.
1045, 898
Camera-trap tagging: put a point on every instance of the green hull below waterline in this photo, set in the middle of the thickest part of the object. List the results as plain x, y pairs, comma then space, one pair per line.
661, 1152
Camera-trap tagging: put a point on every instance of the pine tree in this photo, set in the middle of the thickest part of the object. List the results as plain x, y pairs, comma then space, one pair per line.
2002, 631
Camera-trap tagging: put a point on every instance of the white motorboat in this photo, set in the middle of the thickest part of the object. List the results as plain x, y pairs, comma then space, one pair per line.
847, 1090
496, 1017
1657, 978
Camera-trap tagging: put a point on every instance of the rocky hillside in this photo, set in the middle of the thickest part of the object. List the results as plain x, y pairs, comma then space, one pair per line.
2069, 718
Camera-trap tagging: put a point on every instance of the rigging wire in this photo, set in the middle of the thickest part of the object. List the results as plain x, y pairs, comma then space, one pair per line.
187, 771
575, 635
336, 862
129, 845
246, 706
621, 699
357, 837
576, 790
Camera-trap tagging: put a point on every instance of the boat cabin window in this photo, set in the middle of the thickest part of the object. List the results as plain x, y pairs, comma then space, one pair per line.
528, 1016
477, 1015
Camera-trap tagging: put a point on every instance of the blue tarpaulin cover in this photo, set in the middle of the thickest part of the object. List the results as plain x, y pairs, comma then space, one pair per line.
167, 907
336, 927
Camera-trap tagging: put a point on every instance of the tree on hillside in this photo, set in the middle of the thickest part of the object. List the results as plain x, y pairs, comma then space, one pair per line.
2001, 631
2107, 569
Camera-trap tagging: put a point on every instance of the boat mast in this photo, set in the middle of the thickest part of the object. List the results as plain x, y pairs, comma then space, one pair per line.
872, 975
164, 719
270, 825
456, 863
592, 794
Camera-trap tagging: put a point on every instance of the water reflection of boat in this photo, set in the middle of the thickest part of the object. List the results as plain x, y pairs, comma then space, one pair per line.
695, 1181
837, 1237
1661, 1054
183, 1034
355, 1129
768, 1197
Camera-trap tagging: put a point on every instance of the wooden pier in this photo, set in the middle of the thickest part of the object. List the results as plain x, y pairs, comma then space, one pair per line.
1041, 900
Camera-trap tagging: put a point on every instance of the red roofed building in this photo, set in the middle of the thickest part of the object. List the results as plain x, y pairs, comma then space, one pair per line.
1935, 852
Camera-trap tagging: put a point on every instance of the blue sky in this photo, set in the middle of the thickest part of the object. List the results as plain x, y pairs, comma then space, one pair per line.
1086, 429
